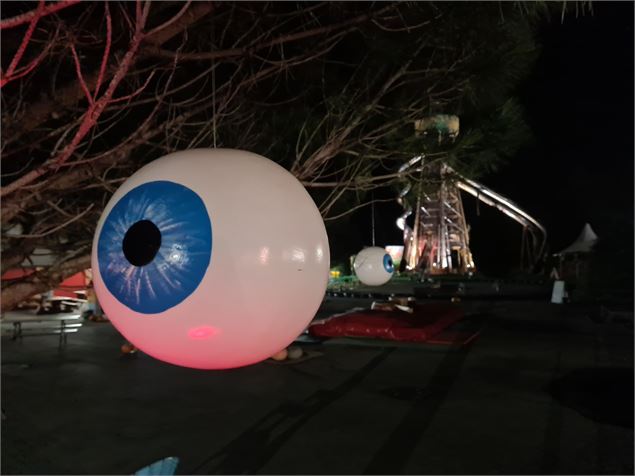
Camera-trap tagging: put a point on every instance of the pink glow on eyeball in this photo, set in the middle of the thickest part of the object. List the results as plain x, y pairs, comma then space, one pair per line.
202, 332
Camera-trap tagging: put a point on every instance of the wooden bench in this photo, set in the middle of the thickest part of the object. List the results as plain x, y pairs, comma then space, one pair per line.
28, 324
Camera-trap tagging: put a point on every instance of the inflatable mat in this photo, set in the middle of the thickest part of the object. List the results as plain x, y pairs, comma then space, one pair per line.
426, 321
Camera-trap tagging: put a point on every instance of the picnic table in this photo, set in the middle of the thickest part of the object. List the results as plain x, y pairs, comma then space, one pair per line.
59, 304
30, 324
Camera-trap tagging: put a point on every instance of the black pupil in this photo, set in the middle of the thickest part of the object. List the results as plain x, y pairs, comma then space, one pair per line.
389, 262
141, 243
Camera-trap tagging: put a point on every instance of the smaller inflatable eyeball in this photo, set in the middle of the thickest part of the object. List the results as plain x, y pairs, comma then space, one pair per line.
373, 266
211, 258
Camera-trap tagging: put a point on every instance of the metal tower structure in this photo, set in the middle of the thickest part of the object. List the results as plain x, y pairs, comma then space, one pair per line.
438, 241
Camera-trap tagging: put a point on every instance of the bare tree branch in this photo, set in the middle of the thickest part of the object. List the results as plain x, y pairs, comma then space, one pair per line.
288, 38
92, 114
37, 13
69, 95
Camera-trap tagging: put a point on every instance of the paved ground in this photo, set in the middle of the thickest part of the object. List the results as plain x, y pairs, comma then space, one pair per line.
543, 390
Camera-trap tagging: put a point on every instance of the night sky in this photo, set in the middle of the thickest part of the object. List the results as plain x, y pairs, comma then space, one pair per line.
579, 103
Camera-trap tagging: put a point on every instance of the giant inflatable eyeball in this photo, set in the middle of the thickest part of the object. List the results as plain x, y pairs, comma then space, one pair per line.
211, 258
373, 266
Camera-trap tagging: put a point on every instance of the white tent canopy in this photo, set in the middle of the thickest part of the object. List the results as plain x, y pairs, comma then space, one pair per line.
584, 243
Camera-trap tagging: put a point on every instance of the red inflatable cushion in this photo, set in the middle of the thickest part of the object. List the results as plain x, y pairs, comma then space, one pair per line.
426, 321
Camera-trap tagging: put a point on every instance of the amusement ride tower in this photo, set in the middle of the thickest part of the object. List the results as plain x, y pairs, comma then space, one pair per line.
438, 241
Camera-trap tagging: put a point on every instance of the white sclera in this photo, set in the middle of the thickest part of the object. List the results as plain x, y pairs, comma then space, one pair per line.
369, 266
268, 269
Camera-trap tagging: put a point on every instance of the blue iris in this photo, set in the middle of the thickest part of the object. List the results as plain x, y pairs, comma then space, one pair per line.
155, 246
388, 266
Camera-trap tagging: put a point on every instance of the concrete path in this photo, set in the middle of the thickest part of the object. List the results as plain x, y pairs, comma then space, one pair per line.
488, 409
